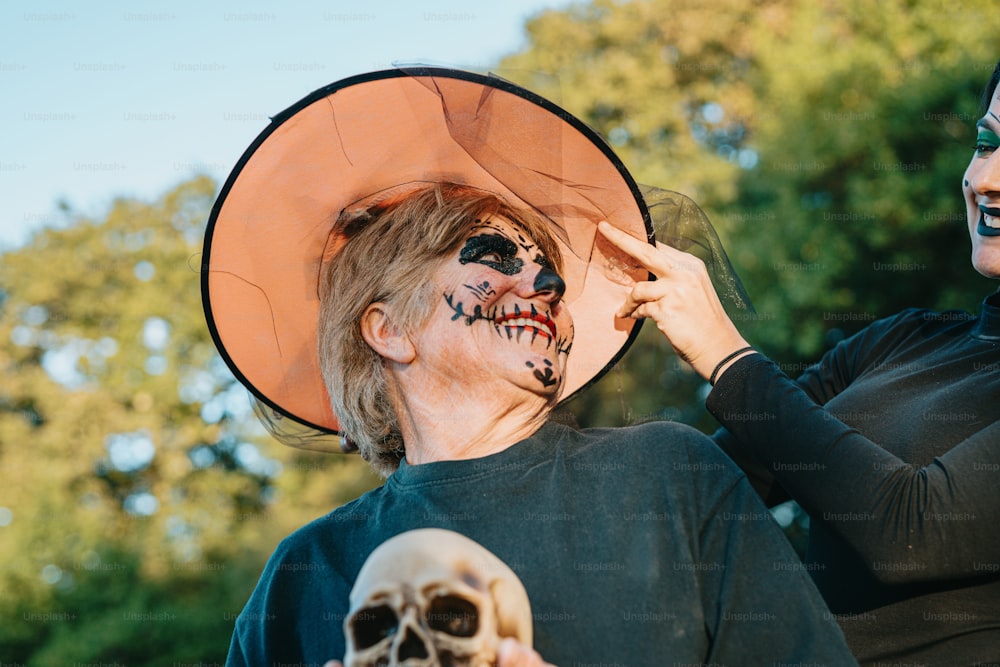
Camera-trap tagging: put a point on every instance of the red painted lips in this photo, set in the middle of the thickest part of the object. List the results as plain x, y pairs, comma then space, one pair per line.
540, 322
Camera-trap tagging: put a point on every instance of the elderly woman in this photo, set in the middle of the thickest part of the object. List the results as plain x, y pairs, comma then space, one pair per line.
891, 442
442, 328
492, 333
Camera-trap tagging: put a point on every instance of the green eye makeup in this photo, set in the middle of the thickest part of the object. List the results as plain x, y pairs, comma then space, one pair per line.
986, 141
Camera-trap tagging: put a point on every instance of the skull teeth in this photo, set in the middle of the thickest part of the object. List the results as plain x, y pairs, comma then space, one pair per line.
526, 323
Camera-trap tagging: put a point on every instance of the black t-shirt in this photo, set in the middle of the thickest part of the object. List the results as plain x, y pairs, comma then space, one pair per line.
892, 445
640, 546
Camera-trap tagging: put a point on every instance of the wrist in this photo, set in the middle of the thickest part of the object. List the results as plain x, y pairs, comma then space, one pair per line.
723, 365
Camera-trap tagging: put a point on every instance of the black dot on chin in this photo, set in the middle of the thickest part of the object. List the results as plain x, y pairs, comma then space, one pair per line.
529, 364
548, 363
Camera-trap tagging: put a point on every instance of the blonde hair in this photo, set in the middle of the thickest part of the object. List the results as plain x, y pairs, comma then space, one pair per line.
388, 253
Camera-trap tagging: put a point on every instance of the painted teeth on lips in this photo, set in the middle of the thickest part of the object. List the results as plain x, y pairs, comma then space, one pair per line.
542, 323
991, 216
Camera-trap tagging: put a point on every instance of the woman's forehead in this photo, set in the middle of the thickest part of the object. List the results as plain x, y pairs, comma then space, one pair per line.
497, 222
500, 224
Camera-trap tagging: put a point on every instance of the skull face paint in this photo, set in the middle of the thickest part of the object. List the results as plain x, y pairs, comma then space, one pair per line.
493, 250
500, 284
432, 597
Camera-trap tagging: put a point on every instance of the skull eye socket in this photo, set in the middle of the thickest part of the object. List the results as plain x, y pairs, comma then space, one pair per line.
372, 625
453, 615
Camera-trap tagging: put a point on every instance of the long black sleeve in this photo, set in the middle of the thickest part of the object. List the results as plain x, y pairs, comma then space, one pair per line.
930, 522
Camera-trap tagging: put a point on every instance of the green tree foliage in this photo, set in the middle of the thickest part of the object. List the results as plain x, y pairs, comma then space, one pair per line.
139, 497
139, 494
826, 140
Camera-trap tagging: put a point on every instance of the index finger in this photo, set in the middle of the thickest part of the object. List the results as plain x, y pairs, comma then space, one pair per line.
655, 259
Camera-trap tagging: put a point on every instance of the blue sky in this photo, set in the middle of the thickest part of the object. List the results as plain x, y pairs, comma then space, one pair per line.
127, 99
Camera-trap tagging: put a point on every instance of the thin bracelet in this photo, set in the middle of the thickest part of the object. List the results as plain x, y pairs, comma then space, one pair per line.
725, 361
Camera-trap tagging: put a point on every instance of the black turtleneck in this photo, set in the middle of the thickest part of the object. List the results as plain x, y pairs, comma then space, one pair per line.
642, 545
891, 443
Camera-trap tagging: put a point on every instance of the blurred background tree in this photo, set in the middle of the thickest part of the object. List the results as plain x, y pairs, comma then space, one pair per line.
826, 140
140, 497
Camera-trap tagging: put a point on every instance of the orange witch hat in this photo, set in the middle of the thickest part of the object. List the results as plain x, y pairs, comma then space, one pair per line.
264, 246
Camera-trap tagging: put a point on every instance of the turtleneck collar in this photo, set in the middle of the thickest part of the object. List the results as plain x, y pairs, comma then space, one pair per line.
988, 325
516, 458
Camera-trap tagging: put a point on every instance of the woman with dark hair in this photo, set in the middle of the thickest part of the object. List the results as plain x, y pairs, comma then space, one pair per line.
891, 442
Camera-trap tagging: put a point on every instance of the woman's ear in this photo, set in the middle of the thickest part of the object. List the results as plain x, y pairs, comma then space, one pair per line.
382, 334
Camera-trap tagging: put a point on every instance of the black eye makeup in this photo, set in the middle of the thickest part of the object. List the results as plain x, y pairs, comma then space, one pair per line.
492, 250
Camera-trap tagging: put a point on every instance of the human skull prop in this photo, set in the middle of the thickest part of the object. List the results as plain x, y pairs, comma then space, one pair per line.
433, 598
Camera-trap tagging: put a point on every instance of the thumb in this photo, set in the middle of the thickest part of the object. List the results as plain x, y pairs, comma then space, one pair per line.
514, 654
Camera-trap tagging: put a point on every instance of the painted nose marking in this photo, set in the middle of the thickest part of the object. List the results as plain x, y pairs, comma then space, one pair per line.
548, 280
